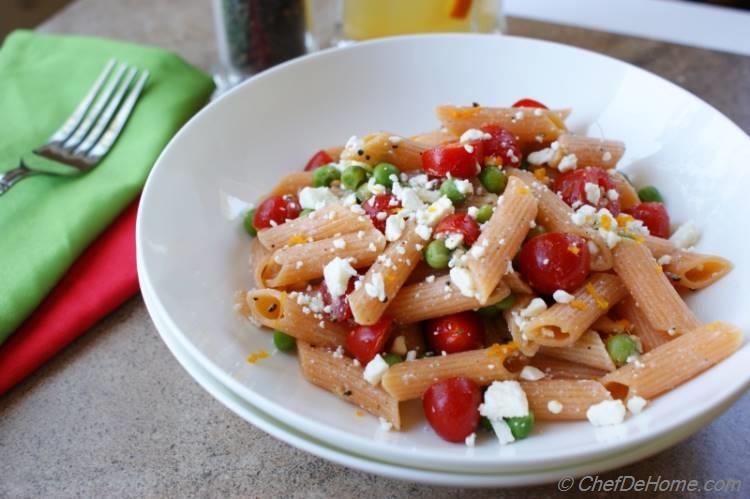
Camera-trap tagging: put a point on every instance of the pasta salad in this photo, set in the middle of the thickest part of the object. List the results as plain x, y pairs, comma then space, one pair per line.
501, 269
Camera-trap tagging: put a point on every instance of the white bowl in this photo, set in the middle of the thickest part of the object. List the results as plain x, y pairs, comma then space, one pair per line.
192, 250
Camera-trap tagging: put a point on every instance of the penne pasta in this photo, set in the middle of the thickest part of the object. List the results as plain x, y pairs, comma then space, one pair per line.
627, 195
435, 137
426, 300
305, 262
563, 323
516, 283
649, 337
525, 344
380, 147
534, 128
339, 375
590, 151
562, 369
589, 350
259, 255
608, 325
291, 183
573, 396
652, 291
408, 380
694, 270
501, 238
278, 311
407, 337
321, 224
671, 364
385, 277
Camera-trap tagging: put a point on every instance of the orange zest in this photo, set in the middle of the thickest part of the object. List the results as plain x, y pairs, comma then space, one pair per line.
502, 351
255, 356
600, 302
465, 112
540, 174
579, 304
359, 413
522, 190
574, 249
296, 239
623, 219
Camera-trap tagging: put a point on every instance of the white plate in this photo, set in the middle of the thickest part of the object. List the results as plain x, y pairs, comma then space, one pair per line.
309, 444
192, 251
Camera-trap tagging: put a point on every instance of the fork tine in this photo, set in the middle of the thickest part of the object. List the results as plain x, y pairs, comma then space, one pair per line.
106, 116
74, 119
95, 110
109, 136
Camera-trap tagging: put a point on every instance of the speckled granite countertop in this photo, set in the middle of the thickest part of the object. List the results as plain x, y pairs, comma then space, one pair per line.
115, 414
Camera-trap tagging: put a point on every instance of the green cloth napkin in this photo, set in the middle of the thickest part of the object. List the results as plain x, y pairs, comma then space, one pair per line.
45, 221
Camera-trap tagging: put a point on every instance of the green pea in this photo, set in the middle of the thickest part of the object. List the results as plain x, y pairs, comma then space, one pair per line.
494, 310
521, 426
363, 193
323, 176
493, 179
437, 255
620, 347
305, 212
283, 341
484, 423
392, 358
248, 223
650, 194
383, 172
484, 213
353, 176
536, 231
450, 190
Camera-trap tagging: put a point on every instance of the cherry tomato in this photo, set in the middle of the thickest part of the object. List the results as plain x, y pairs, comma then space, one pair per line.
529, 103
503, 145
365, 342
340, 309
382, 203
654, 216
460, 160
277, 209
452, 408
320, 158
555, 260
455, 333
459, 223
571, 185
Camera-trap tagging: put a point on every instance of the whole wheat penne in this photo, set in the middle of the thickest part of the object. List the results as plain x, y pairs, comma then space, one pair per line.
435, 137
555, 216
426, 300
653, 293
695, 270
607, 325
562, 369
407, 337
627, 195
649, 337
339, 375
291, 183
533, 127
385, 277
659, 246
501, 238
408, 380
573, 396
674, 362
479, 200
276, 310
512, 318
423, 271
563, 323
305, 262
588, 350
334, 152
380, 147
320, 224
590, 151
517, 285
259, 255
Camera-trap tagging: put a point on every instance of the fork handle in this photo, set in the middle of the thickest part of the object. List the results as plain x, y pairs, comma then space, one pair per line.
11, 177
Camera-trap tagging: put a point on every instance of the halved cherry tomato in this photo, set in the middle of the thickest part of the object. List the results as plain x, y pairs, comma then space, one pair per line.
555, 260
571, 185
654, 216
529, 103
340, 309
452, 408
503, 145
459, 160
455, 333
277, 209
382, 203
365, 342
459, 223
320, 158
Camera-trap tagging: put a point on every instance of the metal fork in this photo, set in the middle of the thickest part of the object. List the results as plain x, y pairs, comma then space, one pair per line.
89, 133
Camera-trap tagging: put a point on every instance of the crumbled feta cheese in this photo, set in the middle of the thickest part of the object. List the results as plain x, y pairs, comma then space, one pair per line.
502, 431
593, 248
409, 198
424, 231
477, 251
585, 215
504, 399
336, 275
636, 404
385, 425
429, 279
394, 139
664, 260
339, 243
354, 145
562, 296
376, 287
473, 134
534, 308
593, 192
613, 195
472, 211
314, 198
375, 370
299, 264
435, 212
394, 227
457, 258
464, 186
569, 162
411, 355
531, 373
606, 412
381, 215
518, 116
372, 247
469, 148
360, 234
554, 406
454, 240
544, 156
470, 440
686, 236
375, 187
462, 279
607, 156
339, 352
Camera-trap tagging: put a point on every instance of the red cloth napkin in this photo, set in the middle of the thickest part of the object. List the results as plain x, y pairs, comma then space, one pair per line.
102, 278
